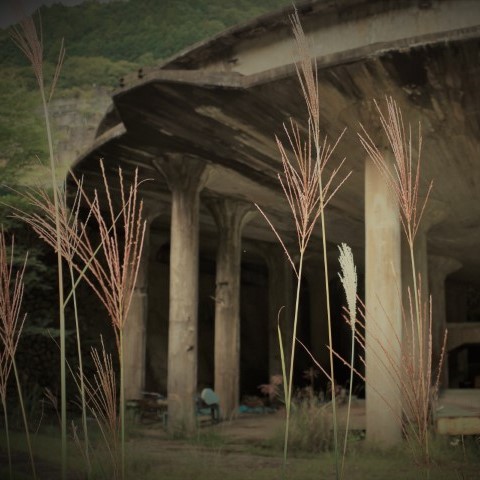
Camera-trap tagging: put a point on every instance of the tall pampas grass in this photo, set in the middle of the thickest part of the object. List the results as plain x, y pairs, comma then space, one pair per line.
11, 325
103, 404
110, 265
29, 40
416, 373
307, 193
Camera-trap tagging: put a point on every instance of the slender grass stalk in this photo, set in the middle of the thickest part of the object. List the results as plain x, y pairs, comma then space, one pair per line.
63, 380
349, 406
7, 436
307, 197
285, 392
101, 392
11, 325
24, 417
288, 403
329, 324
80, 367
122, 404
31, 44
307, 75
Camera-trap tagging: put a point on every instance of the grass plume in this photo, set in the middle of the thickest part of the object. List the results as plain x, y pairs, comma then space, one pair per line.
307, 193
11, 325
402, 175
103, 404
30, 42
348, 277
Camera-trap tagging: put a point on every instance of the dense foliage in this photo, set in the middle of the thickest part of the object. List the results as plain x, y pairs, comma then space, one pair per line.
127, 30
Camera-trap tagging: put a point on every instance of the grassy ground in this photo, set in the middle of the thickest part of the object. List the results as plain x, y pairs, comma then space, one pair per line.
236, 451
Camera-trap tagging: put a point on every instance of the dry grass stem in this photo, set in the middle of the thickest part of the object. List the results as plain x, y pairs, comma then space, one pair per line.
113, 277
304, 161
11, 325
102, 402
418, 390
110, 267
11, 321
30, 43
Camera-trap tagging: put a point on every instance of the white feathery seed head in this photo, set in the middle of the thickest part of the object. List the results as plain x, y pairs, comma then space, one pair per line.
349, 280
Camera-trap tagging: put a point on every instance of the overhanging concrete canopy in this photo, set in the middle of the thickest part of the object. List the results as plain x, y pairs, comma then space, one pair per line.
225, 99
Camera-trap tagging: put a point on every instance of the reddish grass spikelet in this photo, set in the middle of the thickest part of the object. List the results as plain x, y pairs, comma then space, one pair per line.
29, 40
11, 321
102, 402
121, 243
110, 267
402, 177
11, 325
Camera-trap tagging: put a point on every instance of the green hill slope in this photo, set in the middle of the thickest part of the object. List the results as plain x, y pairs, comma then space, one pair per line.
103, 42
129, 30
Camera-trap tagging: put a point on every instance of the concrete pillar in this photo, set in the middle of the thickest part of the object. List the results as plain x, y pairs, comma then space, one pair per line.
383, 310
134, 334
185, 177
280, 307
230, 217
314, 272
440, 267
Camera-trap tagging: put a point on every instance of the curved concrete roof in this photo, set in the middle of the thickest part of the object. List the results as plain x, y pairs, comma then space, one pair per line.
225, 99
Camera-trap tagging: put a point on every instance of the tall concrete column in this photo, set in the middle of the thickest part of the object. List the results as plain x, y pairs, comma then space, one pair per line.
383, 310
185, 177
280, 307
314, 272
230, 217
440, 268
134, 334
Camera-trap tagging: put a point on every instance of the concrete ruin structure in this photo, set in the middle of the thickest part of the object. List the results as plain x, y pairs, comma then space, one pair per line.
201, 127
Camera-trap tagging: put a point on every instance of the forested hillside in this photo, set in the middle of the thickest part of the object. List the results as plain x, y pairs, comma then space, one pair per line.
103, 41
135, 30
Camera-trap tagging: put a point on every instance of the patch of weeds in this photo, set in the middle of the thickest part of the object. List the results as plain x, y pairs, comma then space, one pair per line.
208, 439
310, 427
461, 449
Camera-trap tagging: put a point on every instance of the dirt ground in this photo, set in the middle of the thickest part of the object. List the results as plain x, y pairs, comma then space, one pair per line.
257, 427
238, 449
